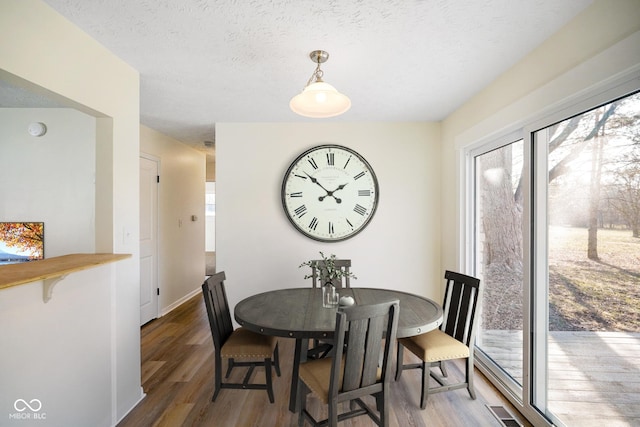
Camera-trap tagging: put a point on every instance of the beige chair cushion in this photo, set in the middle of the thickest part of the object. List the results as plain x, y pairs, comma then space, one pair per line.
244, 343
316, 374
435, 346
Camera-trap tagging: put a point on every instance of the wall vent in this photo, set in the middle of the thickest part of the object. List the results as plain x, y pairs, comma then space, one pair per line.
503, 415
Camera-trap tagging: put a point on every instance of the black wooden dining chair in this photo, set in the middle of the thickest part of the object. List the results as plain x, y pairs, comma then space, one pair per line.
364, 338
252, 348
454, 339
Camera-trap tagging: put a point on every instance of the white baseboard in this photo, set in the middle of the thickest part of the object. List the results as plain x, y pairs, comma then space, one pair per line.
142, 396
179, 302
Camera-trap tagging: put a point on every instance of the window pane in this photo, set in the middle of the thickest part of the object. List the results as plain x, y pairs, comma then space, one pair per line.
498, 255
210, 204
593, 201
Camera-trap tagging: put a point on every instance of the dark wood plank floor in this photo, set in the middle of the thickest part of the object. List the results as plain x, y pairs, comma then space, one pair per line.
177, 377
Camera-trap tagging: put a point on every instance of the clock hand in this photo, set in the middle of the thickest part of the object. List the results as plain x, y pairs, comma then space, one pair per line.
315, 181
330, 193
340, 187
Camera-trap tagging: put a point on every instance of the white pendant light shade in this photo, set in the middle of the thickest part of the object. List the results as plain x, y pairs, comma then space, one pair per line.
319, 100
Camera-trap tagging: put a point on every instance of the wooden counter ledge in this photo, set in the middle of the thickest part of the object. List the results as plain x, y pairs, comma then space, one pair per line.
51, 270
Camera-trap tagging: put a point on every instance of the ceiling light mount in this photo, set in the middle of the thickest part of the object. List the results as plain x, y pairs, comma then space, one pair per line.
319, 99
319, 56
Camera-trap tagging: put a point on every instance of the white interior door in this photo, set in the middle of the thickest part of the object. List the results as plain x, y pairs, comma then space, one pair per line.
148, 239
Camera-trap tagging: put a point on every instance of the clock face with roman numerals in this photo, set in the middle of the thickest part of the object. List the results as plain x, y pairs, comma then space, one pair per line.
330, 193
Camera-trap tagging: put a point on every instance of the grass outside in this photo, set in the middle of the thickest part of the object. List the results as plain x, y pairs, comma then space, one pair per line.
586, 295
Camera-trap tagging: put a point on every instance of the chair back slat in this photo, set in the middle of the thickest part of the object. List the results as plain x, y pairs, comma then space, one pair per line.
318, 278
451, 307
461, 299
354, 362
373, 351
369, 332
215, 298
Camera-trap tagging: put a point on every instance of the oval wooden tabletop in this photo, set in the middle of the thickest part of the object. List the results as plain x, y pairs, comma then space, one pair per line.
298, 312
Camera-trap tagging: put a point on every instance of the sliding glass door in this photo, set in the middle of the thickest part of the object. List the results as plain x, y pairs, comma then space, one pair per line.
498, 258
587, 287
555, 234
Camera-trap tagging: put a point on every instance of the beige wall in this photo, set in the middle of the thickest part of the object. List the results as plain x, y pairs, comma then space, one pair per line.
42, 51
598, 44
260, 250
211, 171
180, 195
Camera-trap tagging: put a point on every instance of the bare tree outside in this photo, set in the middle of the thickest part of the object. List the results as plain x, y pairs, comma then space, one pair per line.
594, 186
500, 216
593, 234
625, 192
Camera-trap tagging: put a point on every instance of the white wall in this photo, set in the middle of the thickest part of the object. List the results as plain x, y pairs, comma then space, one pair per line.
58, 352
259, 249
180, 195
63, 159
43, 52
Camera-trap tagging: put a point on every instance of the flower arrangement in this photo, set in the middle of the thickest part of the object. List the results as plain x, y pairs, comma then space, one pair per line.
326, 270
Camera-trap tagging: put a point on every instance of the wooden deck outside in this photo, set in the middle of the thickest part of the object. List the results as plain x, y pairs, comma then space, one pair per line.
594, 377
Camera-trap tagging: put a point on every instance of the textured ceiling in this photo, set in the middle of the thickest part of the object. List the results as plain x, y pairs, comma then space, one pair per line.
208, 61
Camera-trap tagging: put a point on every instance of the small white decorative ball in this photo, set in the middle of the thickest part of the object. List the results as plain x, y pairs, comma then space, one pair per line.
347, 300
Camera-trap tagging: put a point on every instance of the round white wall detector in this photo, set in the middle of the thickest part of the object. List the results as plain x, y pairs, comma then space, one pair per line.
37, 129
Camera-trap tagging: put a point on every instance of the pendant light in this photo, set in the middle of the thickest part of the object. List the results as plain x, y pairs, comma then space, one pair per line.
319, 99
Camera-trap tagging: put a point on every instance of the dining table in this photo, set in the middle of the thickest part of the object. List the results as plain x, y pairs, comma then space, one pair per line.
298, 313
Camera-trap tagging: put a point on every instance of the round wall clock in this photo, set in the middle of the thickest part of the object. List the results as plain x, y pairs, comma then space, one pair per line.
330, 193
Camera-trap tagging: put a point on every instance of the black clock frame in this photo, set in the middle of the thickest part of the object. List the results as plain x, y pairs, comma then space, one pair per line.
295, 162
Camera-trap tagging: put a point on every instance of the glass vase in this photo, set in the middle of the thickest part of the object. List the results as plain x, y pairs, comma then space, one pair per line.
330, 297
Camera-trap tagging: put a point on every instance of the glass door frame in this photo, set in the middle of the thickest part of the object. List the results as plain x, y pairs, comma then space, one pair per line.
536, 272
534, 234
516, 394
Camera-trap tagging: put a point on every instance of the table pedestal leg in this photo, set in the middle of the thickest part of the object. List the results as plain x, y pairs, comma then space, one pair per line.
300, 355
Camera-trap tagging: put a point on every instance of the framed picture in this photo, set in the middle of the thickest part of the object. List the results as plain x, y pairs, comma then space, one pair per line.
21, 242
